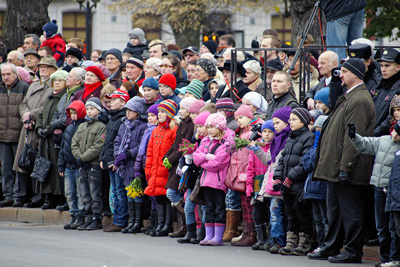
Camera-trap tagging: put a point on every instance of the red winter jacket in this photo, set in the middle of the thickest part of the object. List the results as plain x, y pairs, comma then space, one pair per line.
57, 44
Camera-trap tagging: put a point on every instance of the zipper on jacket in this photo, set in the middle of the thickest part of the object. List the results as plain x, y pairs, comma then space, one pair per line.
205, 171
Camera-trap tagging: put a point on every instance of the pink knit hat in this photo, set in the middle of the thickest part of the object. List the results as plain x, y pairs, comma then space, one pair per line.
187, 102
24, 74
217, 120
201, 119
244, 110
196, 106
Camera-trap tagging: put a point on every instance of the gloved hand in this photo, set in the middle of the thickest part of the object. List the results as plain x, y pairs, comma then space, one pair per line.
120, 159
84, 165
249, 190
277, 185
335, 74
184, 169
351, 130
40, 132
188, 159
46, 132
344, 177
210, 157
253, 148
255, 43
286, 185
167, 164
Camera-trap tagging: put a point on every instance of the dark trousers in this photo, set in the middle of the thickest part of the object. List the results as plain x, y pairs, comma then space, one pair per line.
7, 155
90, 186
298, 215
396, 216
105, 183
261, 212
215, 205
345, 210
25, 187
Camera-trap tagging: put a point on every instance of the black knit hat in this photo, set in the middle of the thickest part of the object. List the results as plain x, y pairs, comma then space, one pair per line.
356, 66
303, 114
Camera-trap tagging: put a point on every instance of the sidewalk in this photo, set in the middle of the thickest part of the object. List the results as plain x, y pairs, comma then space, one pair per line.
37, 215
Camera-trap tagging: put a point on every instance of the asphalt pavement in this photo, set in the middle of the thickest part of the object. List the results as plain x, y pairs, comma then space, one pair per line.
40, 245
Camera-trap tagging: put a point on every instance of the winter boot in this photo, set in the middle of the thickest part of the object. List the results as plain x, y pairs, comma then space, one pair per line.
234, 223
153, 223
88, 221
161, 213
190, 234
209, 234
168, 222
180, 206
131, 221
261, 231
71, 222
96, 224
138, 218
304, 246
291, 242
275, 247
182, 226
219, 229
248, 238
200, 236
80, 219
228, 223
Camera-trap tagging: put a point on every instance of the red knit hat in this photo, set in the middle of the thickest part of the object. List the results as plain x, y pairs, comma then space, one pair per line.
168, 79
97, 71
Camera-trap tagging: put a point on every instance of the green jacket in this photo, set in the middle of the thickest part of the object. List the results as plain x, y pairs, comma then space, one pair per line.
88, 141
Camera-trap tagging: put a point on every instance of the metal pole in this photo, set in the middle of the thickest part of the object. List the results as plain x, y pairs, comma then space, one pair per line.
88, 29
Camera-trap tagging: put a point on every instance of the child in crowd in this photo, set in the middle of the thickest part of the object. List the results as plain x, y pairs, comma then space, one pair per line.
140, 165
195, 107
181, 92
213, 157
150, 91
68, 167
209, 107
384, 149
126, 149
321, 99
195, 89
87, 143
257, 103
106, 102
55, 41
162, 138
131, 88
290, 176
107, 159
167, 85
315, 191
72, 58
172, 157
395, 110
226, 107
257, 168
213, 88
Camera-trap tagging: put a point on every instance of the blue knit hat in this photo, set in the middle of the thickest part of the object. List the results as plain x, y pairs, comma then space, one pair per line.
268, 125
151, 83
136, 104
50, 28
323, 96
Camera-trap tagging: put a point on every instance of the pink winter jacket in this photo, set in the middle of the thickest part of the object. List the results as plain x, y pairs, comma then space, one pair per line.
214, 173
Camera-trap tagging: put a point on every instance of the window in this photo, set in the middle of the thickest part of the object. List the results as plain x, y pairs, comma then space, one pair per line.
283, 26
150, 24
74, 25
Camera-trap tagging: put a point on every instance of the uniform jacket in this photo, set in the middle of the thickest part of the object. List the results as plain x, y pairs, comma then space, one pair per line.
335, 151
57, 44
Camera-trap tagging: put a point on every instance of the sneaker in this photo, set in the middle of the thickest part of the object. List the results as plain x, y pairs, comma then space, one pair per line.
391, 264
6, 203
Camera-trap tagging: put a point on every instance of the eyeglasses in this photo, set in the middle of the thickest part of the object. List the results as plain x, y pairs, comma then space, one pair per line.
166, 66
189, 55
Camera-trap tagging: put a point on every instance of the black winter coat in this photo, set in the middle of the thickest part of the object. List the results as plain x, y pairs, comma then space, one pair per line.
335, 9
291, 162
242, 89
284, 100
115, 121
138, 49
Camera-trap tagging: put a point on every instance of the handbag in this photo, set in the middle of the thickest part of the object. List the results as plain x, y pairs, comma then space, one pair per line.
236, 182
42, 166
27, 159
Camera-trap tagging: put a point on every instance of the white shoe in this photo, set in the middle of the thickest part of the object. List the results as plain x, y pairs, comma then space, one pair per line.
391, 264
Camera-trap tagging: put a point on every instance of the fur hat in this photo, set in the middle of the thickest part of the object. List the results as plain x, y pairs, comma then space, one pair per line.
395, 103
187, 102
268, 125
216, 120
323, 96
50, 28
196, 106
208, 66
153, 109
283, 114
150, 83
94, 102
258, 101
195, 88
97, 71
115, 52
201, 119
169, 107
303, 114
168, 79
244, 110
137, 33
74, 52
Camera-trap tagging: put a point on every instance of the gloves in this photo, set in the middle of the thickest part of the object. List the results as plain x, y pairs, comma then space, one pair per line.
166, 164
335, 74
286, 185
40, 132
120, 159
253, 148
344, 177
255, 43
249, 190
277, 185
351, 130
210, 157
188, 159
45, 133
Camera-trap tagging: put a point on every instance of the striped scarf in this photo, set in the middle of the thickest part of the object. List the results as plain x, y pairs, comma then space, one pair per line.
126, 140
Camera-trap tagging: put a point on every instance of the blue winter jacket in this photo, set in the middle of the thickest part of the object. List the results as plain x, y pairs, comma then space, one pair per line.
393, 189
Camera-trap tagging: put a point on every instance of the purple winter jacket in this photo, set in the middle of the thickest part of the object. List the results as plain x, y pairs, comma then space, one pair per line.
140, 161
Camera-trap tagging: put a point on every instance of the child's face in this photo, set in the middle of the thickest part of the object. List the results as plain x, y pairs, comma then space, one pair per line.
106, 103
183, 113
190, 95
152, 118
267, 135
247, 103
181, 96
71, 60
396, 113
279, 124
295, 122
317, 129
165, 90
213, 89
149, 94
193, 116
242, 121
321, 106
162, 116
135, 41
222, 113
213, 131
74, 114
131, 115
117, 103
92, 112
202, 130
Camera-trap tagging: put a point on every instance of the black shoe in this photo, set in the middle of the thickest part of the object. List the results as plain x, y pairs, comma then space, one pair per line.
80, 219
319, 254
48, 206
96, 224
63, 207
341, 258
191, 233
88, 221
32, 205
68, 225
18, 204
6, 203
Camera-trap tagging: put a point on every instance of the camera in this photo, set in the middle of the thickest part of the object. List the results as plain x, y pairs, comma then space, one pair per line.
336, 73
256, 131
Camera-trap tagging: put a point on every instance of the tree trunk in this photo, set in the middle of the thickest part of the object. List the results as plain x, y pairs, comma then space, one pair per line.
300, 11
186, 37
23, 17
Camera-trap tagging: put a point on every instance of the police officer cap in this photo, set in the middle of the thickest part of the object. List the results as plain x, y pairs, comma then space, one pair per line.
360, 51
390, 55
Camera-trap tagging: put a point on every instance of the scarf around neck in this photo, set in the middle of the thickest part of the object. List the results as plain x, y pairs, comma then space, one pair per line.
89, 88
125, 142
278, 143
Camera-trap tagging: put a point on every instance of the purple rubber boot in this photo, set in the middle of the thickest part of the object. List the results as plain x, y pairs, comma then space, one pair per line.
209, 234
219, 229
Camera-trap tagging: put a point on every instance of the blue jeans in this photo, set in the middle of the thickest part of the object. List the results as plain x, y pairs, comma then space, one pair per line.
278, 221
189, 208
120, 199
72, 192
232, 200
174, 196
320, 219
388, 239
344, 30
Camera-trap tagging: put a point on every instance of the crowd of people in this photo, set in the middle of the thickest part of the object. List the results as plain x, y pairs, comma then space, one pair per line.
158, 132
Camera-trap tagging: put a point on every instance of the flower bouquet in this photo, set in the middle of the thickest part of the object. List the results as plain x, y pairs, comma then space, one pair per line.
135, 188
242, 143
187, 148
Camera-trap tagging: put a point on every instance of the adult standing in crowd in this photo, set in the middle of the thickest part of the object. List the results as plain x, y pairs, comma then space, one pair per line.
113, 63
12, 92
32, 59
93, 84
240, 89
347, 172
31, 41
134, 70
205, 72
253, 71
273, 66
29, 109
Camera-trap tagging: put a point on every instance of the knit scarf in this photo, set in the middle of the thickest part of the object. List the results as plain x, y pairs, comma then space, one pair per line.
165, 124
278, 143
89, 88
126, 140
70, 91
